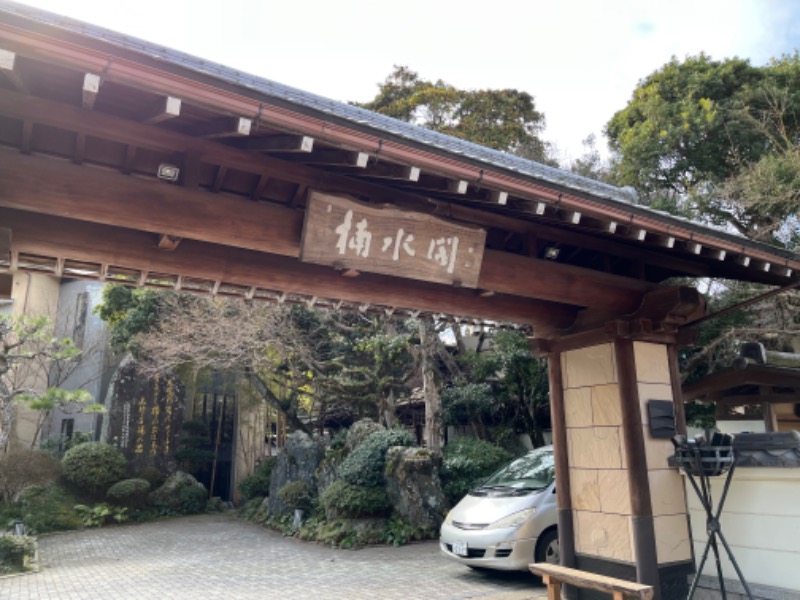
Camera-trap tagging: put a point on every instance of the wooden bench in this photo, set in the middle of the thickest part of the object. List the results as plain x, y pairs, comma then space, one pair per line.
554, 576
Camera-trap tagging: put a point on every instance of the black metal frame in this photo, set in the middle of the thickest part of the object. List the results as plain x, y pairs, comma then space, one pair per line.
701, 463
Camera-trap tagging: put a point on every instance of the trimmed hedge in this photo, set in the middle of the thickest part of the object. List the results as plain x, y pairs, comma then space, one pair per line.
129, 492
93, 467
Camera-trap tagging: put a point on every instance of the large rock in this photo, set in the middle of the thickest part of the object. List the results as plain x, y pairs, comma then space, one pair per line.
298, 462
413, 486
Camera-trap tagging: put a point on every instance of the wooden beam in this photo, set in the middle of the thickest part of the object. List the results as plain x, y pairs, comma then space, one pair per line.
80, 149
498, 197
457, 186
111, 198
160, 140
219, 179
5, 244
9, 70
164, 109
27, 135
62, 189
120, 247
130, 157
258, 191
385, 170
168, 242
224, 127
280, 143
90, 90
343, 158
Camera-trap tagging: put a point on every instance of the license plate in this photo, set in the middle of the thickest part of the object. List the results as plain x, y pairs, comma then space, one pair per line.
460, 548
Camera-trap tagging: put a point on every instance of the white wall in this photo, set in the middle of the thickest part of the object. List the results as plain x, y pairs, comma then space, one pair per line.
760, 521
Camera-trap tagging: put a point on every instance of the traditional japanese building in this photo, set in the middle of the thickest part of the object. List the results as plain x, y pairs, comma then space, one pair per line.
128, 162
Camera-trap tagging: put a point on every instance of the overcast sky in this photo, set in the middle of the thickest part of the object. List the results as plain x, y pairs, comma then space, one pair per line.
580, 60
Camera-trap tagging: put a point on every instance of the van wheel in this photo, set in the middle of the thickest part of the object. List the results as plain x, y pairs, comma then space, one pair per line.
547, 550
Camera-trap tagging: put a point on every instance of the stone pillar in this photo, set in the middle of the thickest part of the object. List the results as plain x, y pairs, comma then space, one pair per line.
627, 506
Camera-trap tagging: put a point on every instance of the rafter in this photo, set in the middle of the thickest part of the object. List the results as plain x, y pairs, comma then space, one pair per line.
280, 143
163, 109
224, 127
391, 171
90, 90
9, 71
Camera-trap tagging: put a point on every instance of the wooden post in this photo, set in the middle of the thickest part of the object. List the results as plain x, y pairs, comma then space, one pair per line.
566, 530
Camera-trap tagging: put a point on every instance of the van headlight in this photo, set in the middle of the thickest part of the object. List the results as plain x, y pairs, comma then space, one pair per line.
513, 520
448, 520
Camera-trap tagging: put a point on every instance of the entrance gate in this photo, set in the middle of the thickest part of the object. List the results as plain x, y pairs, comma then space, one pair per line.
126, 162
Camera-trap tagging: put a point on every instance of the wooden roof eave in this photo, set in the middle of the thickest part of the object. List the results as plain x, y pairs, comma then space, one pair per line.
750, 374
165, 79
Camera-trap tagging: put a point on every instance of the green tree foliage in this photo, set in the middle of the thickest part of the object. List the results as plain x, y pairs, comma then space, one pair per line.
501, 119
131, 311
467, 462
715, 140
683, 127
505, 385
33, 363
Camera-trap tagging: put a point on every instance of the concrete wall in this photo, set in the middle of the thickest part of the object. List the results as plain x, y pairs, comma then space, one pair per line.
601, 496
75, 319
32, 295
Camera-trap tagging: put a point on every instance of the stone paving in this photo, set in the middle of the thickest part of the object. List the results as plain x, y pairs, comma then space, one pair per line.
218, 556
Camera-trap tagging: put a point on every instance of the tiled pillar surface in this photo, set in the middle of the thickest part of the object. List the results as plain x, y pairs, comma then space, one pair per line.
600, 490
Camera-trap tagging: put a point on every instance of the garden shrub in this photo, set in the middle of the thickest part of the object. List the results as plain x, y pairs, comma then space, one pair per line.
467, 462
296, 495
360, 431
15, 552
152, 475
93, 467
365, 464
257, 484
129, 492
101, 514
191, 500
344, 500
23, 468
48, 508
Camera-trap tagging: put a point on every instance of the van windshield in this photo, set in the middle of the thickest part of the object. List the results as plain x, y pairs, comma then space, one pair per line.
534, 471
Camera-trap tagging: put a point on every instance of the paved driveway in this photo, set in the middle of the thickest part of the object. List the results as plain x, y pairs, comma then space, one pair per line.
219, 556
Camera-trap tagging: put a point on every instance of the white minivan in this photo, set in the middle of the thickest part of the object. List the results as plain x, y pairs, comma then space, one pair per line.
509, 521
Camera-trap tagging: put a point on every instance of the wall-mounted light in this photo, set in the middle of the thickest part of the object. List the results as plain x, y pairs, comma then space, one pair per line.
552, 252
168, 172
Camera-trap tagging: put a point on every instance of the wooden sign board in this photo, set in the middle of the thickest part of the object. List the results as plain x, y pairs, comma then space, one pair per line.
346, 234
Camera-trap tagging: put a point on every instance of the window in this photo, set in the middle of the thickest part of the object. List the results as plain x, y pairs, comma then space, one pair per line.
67, 427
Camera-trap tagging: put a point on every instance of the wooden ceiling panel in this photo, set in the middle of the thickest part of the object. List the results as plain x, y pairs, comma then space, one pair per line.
10, 132
52, 140
104, 152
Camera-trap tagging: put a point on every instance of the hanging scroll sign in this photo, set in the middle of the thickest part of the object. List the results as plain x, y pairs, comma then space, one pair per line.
346, 234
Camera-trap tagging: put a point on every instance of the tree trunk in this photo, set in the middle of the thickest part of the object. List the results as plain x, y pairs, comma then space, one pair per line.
269, 398
388, 413
430, 391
